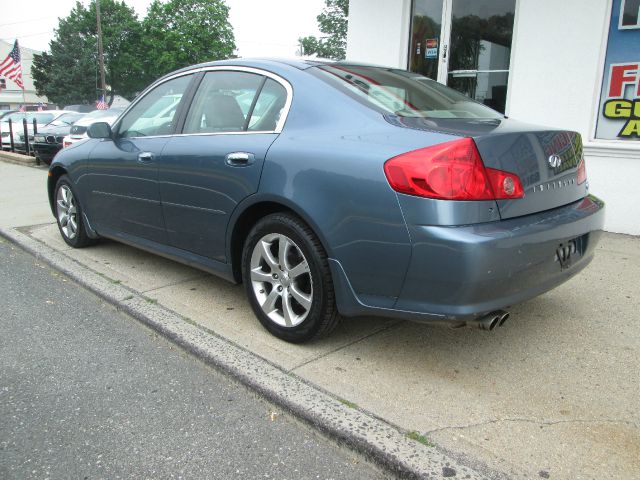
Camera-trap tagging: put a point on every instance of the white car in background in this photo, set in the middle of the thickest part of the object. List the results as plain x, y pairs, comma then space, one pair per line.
79, 129
42, 118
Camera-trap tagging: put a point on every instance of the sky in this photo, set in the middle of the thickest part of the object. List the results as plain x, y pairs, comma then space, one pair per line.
262, 28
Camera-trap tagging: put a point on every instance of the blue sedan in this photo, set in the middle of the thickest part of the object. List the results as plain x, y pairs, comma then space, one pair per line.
333, 188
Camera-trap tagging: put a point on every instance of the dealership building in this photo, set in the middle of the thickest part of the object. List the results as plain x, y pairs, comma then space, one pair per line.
570, 64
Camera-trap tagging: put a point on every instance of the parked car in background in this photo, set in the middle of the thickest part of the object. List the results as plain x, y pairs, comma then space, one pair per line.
80, 108
79, 130
4, 122
359, 190
42, 118
15, 116
4, 113
48, 141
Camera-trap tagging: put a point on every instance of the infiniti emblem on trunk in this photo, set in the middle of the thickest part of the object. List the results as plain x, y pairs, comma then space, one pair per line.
555, 161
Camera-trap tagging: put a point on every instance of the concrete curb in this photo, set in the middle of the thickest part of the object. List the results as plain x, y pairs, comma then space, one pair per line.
18, 159
377, 440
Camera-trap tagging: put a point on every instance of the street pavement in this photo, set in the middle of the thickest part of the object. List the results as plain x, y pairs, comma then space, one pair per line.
88, 392
552, 394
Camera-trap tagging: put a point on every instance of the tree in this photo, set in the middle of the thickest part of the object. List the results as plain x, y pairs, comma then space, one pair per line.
68, 74
333, 23
179, 33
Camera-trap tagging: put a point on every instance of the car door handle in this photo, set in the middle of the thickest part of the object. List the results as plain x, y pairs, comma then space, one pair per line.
146, 156
239, 159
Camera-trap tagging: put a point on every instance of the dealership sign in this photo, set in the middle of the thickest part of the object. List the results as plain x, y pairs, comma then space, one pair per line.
619, 113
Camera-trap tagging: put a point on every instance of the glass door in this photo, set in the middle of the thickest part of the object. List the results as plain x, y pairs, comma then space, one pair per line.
474, 48
426, 35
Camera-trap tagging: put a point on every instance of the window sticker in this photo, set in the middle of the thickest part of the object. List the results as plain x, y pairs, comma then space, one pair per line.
431, 48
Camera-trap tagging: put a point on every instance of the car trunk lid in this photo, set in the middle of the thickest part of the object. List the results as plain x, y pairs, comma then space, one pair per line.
545, 160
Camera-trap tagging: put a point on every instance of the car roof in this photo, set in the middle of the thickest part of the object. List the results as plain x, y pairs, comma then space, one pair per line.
301, 63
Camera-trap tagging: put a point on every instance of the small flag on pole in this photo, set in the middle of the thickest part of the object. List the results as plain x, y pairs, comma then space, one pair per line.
41, 106
23, 108
11, 66
101, 104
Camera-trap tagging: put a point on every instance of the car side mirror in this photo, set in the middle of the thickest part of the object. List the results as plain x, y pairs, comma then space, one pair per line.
99, 130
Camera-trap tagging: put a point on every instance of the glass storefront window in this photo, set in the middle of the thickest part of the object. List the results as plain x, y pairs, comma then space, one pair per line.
474, 46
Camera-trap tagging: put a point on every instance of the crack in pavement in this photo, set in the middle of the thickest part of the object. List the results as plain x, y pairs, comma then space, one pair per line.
337, 349
178, 282
530, 420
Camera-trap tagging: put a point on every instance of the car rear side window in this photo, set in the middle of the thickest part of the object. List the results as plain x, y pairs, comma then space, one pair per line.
268, 108
154, 113
223, 102
403, 93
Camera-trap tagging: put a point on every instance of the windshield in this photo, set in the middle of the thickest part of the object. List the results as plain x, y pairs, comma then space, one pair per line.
40, 117
403, 93
13, 117
66, 119
111, 112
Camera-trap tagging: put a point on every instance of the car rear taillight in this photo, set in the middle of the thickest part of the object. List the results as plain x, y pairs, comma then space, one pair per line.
450, 171
582, 172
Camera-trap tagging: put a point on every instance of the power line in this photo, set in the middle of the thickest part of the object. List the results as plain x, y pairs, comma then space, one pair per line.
24, 36
27, 21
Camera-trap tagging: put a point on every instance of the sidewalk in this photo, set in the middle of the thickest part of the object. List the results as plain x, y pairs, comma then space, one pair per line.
552, 394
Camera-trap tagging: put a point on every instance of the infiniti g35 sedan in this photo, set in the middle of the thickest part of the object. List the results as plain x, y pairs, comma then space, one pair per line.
335, 189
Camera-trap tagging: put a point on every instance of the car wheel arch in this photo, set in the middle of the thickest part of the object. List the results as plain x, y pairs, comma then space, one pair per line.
246, 216
54, 174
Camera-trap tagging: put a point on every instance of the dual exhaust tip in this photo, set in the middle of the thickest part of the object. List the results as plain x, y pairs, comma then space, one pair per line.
489, 321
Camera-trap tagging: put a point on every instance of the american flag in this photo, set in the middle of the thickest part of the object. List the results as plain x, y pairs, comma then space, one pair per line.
101, 104
41, 106
23, 108
11, 67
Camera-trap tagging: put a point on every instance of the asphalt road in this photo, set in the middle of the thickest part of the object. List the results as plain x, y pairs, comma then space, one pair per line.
88, 392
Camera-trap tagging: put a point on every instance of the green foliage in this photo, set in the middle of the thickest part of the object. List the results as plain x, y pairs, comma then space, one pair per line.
333, 23
179, 33
175, 33
69, 73
413, 435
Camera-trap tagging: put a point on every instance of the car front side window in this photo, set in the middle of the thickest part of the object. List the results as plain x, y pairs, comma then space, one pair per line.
154, 114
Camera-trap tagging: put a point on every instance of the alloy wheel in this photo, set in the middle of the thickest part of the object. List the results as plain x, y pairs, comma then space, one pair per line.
67, 212
281, 280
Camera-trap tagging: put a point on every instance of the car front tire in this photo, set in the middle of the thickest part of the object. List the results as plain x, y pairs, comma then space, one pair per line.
287, 279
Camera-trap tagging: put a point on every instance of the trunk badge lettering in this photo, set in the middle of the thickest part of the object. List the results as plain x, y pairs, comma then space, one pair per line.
553, 185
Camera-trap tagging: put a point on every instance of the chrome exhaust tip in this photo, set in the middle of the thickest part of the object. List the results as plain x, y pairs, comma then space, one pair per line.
489, 321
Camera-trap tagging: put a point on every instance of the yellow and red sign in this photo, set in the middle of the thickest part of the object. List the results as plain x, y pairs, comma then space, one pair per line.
619, 116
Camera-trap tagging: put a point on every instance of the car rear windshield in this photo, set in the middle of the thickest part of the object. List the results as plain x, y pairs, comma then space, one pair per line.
403, 93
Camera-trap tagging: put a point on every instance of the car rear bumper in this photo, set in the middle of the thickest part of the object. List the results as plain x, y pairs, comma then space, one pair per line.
459, 273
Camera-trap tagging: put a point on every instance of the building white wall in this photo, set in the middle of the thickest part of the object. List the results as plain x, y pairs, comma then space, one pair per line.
556, 74
378, 32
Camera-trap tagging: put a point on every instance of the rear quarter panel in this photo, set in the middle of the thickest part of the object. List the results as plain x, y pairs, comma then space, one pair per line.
328, 165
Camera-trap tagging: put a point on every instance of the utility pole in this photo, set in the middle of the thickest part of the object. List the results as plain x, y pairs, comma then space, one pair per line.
103, 83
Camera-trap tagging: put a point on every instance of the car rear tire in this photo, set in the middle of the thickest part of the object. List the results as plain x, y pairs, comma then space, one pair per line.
287, 279
69, 215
